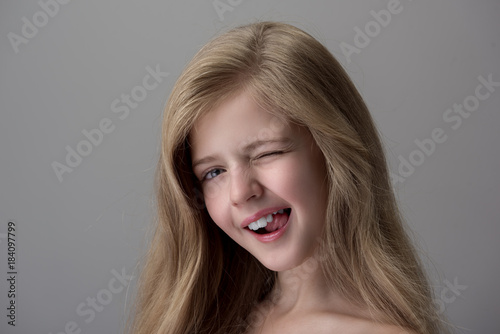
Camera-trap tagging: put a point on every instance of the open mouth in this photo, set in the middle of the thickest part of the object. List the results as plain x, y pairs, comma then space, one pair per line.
271, 222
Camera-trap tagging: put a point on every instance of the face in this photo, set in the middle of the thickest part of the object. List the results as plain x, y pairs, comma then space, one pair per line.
255, 170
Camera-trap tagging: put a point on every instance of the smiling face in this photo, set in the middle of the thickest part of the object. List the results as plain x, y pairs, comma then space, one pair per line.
251, 166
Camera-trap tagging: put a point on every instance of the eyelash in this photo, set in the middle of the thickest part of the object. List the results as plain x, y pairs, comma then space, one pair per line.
269, 154
204, 176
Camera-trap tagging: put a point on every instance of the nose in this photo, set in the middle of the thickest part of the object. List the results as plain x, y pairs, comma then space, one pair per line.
244, 186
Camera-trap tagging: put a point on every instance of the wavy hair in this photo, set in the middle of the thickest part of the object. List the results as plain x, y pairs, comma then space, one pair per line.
196, 279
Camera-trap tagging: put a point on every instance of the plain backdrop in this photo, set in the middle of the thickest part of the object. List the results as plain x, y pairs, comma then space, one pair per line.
67, 69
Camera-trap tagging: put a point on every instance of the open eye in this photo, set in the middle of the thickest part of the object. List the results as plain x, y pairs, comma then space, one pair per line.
211, 174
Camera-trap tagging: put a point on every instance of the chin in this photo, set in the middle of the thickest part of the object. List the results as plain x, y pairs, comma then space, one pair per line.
278, 263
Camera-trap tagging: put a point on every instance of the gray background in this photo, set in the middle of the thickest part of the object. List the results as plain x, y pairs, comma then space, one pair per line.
72, 235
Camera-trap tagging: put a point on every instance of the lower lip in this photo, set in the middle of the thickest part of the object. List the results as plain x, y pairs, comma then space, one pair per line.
269, 237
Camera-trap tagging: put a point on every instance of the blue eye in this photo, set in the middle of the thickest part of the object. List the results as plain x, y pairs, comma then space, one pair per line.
212, 174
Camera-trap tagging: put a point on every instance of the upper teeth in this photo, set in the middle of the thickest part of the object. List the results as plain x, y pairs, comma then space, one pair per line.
262, 222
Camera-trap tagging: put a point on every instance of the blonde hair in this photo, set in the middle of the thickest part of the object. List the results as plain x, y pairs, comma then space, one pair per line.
196, 279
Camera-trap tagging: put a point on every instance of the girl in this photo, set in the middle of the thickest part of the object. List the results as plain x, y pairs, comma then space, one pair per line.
275, 212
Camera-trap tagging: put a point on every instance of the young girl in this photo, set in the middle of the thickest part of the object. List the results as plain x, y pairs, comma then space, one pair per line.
275, 211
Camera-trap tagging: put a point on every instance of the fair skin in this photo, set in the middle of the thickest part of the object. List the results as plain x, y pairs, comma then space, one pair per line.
250, 165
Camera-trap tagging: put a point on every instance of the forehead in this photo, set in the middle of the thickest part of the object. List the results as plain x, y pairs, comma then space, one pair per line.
235, 122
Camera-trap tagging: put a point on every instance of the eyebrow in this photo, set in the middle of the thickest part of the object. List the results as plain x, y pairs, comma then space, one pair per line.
245, 149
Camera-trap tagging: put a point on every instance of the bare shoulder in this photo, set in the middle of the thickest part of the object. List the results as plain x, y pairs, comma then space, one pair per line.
326, 322
337, 323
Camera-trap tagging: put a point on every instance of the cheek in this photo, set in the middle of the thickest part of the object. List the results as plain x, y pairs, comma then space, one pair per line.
295, 179
305, 186
212, 190
214, 196
215, 207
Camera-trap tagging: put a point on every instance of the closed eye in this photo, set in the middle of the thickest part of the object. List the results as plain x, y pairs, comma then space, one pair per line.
270, 154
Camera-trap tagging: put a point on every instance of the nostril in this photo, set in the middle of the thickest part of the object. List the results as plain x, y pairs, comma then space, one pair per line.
242, 191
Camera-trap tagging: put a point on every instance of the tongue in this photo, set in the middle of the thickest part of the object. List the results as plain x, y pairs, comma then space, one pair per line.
279, 220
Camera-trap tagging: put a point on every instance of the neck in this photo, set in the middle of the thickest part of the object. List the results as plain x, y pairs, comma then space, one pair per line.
302, 287
305, 289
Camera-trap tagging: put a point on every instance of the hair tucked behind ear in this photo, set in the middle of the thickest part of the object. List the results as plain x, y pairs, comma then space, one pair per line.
196, 279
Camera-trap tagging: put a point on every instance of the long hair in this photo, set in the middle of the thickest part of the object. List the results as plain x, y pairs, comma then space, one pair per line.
196, 279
